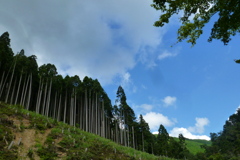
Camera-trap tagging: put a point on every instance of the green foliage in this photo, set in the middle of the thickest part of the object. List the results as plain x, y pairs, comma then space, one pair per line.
226, 144
8, 155
47, 153
30, 154
227, 25
162, 140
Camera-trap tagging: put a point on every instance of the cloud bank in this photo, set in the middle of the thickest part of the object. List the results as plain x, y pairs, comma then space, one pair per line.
100, 39
189, 132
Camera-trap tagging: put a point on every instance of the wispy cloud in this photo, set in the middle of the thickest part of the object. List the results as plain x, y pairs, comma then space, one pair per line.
169, 101
143, 108
166, 54
126, 82
146, 107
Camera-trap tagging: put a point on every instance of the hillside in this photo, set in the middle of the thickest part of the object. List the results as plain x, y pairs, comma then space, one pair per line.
194, 145
27, 135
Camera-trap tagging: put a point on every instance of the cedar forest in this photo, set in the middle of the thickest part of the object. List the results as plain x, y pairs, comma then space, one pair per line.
85, 104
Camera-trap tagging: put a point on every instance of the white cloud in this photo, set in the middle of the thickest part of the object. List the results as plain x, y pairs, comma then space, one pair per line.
199, 125
155, 119
126, 82
86, 38
186, 133
146, 107
169, 101
125, 79
166, 54
143, 108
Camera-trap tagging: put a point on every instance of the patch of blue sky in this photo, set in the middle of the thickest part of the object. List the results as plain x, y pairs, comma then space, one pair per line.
114, 25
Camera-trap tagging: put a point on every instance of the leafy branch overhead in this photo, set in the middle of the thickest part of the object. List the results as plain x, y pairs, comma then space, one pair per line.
226, 26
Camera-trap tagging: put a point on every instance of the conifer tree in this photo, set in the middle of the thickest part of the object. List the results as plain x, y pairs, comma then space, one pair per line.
162, 139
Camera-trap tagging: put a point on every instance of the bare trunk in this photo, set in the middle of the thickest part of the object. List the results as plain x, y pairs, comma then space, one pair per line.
19, 84
29, 92
48, 99
23, 91
86, 107
44, 100
59, 108
75, 108
4, 83
142, 141
1, 84
13, 91
65, 108
39, 98
10, 84
133, 137
55, 106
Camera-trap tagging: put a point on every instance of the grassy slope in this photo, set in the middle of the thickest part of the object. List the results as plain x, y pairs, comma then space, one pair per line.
194, 145
45, 138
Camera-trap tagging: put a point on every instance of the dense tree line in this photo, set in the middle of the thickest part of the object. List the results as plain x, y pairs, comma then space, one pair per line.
80, 103
226, 143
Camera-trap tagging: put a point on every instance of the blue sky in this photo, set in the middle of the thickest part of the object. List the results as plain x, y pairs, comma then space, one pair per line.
190, 90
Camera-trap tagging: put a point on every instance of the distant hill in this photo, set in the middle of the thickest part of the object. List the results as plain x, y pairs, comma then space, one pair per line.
194, 145
27, 135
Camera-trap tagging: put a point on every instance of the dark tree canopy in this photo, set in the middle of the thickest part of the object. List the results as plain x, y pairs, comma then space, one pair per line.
226, 26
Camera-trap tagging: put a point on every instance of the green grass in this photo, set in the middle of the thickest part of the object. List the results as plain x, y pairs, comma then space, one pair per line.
72, 142
194, 145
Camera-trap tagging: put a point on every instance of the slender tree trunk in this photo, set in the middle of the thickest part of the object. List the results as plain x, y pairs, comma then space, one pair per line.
23, 91
65, 108
75, 108
48, 99
19, 84
95, 114
44, 100
1, 84
86, 107
4, 83
13, 91
55, 106
10, 84
71, 109
143, 141
103, 118
39, 89
59, 108
29, 92
39, 99
133, 137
